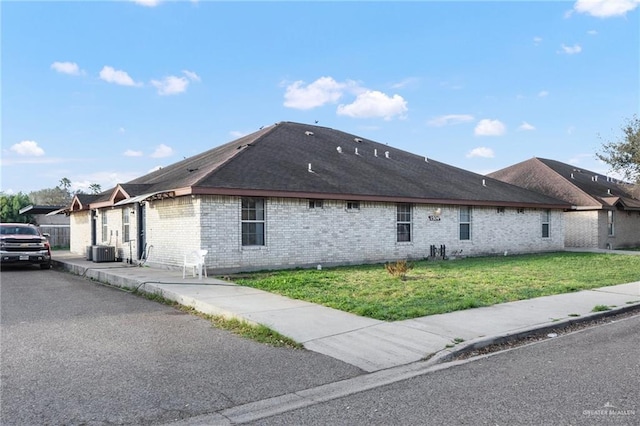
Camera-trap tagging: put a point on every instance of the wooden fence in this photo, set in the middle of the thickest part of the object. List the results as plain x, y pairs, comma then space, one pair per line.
59, 235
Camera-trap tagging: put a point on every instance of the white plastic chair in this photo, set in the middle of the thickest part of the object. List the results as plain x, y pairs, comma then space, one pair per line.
195, 262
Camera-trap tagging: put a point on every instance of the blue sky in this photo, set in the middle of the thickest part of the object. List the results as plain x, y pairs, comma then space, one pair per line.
103, 92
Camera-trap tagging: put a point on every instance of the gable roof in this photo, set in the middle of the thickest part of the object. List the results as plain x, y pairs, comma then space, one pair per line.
582, 188
299, 160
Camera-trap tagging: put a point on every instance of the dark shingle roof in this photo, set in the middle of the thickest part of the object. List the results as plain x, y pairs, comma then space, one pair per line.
276, 160
577, 186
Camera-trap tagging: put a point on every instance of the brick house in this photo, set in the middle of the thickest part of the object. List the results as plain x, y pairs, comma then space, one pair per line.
294, 195
605, 212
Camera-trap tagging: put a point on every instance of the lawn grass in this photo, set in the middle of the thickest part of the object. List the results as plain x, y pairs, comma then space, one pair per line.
434, 287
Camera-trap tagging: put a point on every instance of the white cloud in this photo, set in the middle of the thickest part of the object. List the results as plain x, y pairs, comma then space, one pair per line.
605, 8
488, 127
482, 152
411, 81
537, 40
543, 94
70, 68
191, 75
373, 103
526, 126
162, 151
592, 32
147, 3
132, 153
322, 91
111, 75
448, 120
173, 85
27, 148
121, 130
237, 134
571, 50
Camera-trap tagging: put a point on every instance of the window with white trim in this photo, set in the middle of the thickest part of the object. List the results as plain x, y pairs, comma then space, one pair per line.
403, 222
105, 228
610, 223
253, 223
125, 224
546, 223
465, 222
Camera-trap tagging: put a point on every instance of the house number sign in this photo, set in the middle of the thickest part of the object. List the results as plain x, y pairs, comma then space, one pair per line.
434, 218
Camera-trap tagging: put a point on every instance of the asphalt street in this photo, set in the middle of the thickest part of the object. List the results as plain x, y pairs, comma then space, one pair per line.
591, 377
76, 352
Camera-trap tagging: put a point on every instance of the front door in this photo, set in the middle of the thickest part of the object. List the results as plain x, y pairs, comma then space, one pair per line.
142, 242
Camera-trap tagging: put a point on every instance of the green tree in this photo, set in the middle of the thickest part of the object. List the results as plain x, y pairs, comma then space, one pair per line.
95, 188
10, 206
65, 184
51, 197
624, 155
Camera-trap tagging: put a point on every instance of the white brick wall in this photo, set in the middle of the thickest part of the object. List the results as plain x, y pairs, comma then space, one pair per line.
299, 236
589, 229
581, 228
80, 223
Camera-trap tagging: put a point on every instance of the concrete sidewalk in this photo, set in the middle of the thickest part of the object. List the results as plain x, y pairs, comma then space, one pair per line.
367, 343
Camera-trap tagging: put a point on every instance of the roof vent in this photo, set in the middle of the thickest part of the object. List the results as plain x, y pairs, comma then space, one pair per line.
310, 170
357, 140
595, 178
426, 160
375, 152
608, 191
572, 177
386, 154
484, 182
308, 133
357, 151
339, 149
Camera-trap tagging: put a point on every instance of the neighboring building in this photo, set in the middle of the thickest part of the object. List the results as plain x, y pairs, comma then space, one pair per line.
605, 212
51, 221
299, 195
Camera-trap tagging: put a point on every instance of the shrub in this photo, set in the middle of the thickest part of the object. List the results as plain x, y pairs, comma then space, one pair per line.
399, 268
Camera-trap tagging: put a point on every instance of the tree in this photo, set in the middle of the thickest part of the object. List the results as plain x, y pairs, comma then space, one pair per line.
95, 188
51, 197
59, 196
65, 184
10, 206
624, 155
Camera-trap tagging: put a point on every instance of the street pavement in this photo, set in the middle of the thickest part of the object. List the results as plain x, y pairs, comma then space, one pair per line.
366, 343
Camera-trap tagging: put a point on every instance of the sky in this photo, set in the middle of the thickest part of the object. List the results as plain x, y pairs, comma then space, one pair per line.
102, 92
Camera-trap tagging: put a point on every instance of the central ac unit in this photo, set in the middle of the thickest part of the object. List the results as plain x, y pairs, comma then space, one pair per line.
104, 253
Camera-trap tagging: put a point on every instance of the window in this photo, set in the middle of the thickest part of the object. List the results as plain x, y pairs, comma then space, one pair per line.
546, 220
403, 222
105, 228
610, 223
315, 204
353, 205
253, 221
125, 224
465, 223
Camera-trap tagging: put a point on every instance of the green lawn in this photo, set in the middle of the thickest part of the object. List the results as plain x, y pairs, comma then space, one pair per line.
443, 286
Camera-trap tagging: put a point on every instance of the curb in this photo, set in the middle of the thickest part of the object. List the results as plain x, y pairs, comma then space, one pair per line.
448, 355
